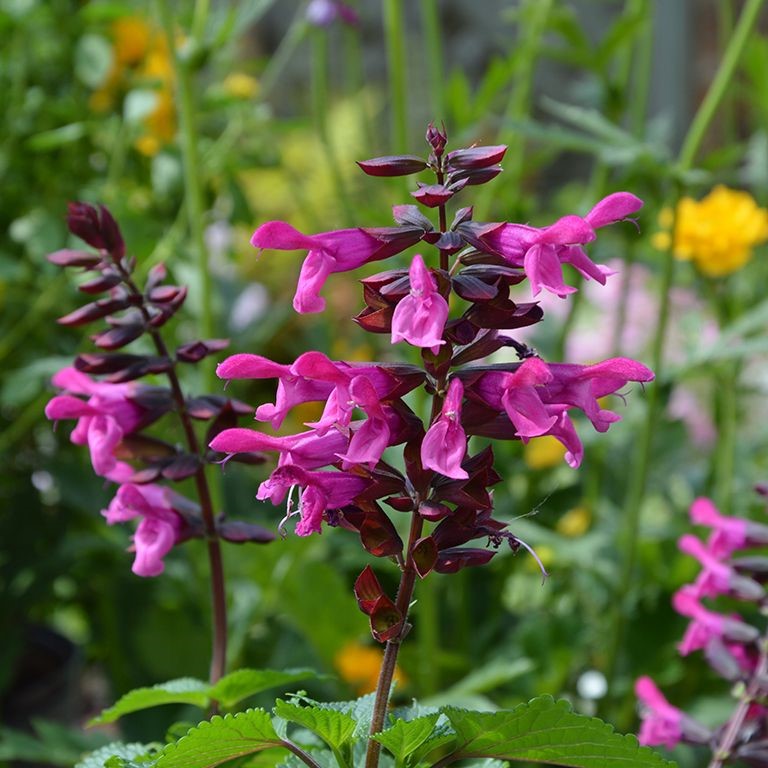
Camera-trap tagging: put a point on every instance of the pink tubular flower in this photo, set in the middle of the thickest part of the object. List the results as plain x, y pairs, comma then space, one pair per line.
581, 386
541, 252
716, 577
102, 420
306, 449
729, 533
706, 624
319, 491
336, 251
371, 439
662, 723
445, 443
420, 317
312, 378
160, 527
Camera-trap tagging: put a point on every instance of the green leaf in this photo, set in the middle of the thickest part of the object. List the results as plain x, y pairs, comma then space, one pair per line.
360, 710
545, 731
241, 684
220, 739
56, 137
97, 758
406, 736
334, 728
184, 690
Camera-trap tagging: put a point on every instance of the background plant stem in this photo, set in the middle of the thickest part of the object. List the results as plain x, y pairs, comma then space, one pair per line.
644, 446
433, 42
394, 34
184, 69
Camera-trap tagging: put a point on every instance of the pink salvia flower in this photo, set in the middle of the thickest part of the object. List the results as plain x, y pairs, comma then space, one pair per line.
160, 527
420, 317
306, 449
730, 533
372, 438
541, 252
661, 722
336, 251
715, 579
319, 491
445, 443
706, 624
581, 386
102, 420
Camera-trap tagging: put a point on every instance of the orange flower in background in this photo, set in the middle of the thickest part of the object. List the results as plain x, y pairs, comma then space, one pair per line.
359, 666
717, 233
141, 58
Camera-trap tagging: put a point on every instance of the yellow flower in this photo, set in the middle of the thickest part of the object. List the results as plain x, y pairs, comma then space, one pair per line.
238, 85
543, 452
359, 666
717, 232
131, 36
575, 522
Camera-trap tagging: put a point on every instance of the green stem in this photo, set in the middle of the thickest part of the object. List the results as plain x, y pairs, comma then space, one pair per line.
535, 14
727, 422
644, 444
394, 33
184, 69
430, 14
320, 102
642, 72
297, 31
719, 87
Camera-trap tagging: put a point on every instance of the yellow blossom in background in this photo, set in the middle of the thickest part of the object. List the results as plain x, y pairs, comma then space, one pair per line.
131, 37
359, 666
717, 232
575, 522
543, 452
141, 58
238, 85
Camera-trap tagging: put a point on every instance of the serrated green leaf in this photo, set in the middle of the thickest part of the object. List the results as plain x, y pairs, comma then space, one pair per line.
241, 684
549, 732
360, 710
406, 736
184, 690
98, 757
440, 742
220, 739
333, 727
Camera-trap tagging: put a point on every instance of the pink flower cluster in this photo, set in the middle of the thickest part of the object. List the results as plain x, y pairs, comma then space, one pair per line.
730, 644
456, 310
113, 412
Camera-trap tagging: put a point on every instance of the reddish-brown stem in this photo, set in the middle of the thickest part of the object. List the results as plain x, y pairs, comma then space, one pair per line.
750, 695
408, 574
389, 662
218, 590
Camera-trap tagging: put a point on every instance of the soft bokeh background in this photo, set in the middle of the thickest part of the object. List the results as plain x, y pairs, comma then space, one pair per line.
591, 97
